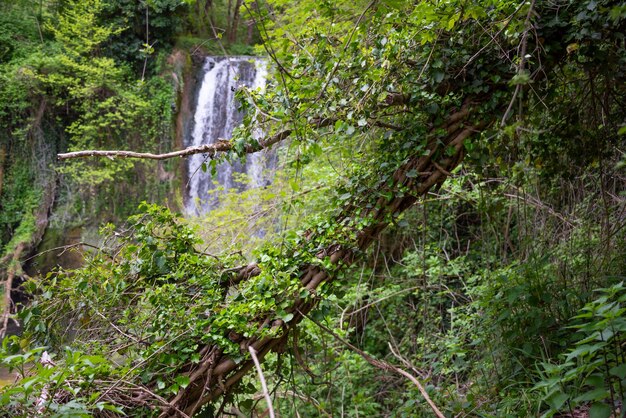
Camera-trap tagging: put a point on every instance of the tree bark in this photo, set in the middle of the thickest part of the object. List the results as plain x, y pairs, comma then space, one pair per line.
234, 24
218, 374
221, 145
3, 157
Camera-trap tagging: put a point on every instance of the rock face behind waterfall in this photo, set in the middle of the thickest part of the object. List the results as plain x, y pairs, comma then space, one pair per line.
216, 115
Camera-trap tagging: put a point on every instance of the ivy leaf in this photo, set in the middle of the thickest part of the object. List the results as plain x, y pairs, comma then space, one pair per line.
213, 164
246, 404
183, 381
287, 317
520, 78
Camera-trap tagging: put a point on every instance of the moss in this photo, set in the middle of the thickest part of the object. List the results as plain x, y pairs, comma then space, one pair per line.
19, 200
23, 234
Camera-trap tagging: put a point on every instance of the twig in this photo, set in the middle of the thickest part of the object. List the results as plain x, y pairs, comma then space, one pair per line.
538, 204
381, 365
139, 364
144, 389
64, 248
266, 393
522, 62
493, 39
118, 329
354, 312
345, 48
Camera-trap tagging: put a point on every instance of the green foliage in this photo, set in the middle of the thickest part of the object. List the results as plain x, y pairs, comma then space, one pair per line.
475, 326
593, 370
163, 297
19, 200
65, 391
18, 30
78, 29
475, 291
131, 45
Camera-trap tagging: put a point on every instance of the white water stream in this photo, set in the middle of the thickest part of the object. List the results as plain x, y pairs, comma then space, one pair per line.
215, 117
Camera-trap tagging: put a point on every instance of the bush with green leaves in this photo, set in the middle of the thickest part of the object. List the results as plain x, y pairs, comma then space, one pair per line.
593, 370
151, 298
62, 391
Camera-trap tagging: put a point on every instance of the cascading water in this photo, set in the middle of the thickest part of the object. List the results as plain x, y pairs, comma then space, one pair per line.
215, 117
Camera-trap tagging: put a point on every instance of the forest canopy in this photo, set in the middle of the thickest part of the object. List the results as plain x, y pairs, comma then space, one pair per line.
444, 234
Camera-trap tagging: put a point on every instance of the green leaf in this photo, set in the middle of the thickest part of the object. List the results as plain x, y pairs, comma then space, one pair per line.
287, 317
438, 76
600, 410
619, 371
183, 381
593, 395
246, 404
595, 380
557, 400
584, 350
520, 78
108, 407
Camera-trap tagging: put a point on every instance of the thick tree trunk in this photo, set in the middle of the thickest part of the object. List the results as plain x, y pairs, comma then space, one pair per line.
217, 373
234, 23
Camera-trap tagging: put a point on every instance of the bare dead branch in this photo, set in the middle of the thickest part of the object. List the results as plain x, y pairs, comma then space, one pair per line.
266, 393
220, 146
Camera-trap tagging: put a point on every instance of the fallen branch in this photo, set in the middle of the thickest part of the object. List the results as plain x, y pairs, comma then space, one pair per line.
221, 145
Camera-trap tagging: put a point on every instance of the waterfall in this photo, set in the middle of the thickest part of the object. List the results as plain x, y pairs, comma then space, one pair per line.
215, 116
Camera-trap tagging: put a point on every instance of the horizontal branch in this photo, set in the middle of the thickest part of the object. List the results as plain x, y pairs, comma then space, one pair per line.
221, 145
